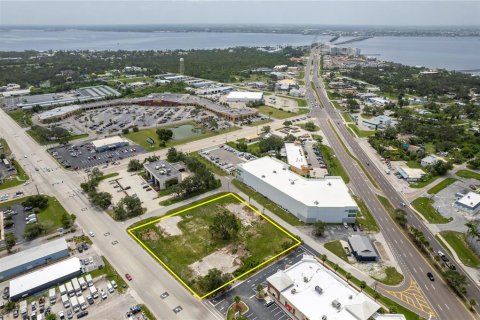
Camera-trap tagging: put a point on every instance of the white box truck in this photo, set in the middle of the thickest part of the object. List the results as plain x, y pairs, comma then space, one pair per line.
65, 301
110, 287
83, 304
94, 292
76, 286
70, 290
83, 283
62, 289
89, 279
23, 307
52, 295
74, 303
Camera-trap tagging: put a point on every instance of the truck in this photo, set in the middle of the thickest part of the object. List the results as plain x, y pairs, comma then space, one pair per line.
83, 304
83, 283
76, 287
62, 289
23, 307
89, 279
65, 301
94, 292
52, 295
70, 290
74, 304
110, 287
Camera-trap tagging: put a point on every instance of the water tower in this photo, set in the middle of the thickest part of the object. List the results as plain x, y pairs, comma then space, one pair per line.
182, 66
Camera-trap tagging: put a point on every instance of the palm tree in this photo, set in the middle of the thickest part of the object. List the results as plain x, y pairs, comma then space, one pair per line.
259, 289
270, 114
472, 304
376, 295
335, 267
323, 257
237, 301
362, 285
348, 276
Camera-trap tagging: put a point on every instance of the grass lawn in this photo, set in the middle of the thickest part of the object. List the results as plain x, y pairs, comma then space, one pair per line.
110, 175
424, 207
40, 140
457, 241
276, 113
302, 125
467, 174
210, 166
268, 204
347, 116
334, 166
365, 217
111, 274
257, 241
5, 148
441, 185
424, 183
430, 148
259, 123
147, 312
337, 249
386, 204
141, 136
392, 277
17, 179
414, 164
23, 118
232, 310
252, 148
360, 133
337, 105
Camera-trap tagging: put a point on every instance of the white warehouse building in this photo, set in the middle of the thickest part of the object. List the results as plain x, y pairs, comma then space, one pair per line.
245, 96
310, 200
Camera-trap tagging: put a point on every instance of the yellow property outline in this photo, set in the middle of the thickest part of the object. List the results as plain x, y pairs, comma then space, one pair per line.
298, 242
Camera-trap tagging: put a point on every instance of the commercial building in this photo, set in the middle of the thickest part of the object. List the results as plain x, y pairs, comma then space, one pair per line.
429, 160
163, 174
362, 248
310, 200
59, 113
245, 96
109, 143
308, 290
469, 202
411, 175
44, 278
49, 252
296, 158
378, 122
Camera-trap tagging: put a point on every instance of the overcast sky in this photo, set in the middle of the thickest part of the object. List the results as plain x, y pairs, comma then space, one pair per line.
380, 12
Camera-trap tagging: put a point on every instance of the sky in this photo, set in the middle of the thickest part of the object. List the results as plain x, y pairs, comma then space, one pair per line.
317, 12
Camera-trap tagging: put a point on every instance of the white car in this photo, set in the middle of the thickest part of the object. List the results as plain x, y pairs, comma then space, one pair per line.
92, 234
25, 156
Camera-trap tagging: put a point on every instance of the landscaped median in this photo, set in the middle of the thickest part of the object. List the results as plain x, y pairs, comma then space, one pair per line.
424, 207
209, 244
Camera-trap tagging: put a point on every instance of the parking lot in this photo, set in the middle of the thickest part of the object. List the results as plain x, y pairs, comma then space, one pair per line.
246, 290
14, 220
226, 157
84, 155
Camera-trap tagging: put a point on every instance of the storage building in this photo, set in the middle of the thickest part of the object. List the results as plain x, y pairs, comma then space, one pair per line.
362, 248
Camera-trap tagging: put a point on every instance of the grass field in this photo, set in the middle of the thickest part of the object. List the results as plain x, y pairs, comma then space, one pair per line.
424, 207
365, 217
5, 148
392, 277
258, 241
111, 274
259, 123
346, 116
40, 140
334, 166
23, 118
141, 136
268, 204
414, 164
337, 249
276, 113
386, 204
457, 241
441, 185
360, 133
467, 174
424, 183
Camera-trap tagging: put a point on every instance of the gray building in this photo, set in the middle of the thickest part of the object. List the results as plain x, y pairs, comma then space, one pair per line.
163, 174
26, 260
362, 248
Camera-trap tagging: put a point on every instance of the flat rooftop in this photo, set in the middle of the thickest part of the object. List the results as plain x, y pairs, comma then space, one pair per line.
32, 254
45, 275
325, 192
313, 289
295, 155
109, 141
412, 173
470, 200
57, 112
251, 95
161, 170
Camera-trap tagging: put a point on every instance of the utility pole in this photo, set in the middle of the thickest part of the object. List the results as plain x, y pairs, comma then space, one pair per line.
36, 187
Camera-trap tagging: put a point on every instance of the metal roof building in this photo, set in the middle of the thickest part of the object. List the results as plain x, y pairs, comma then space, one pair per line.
33, 257
362, 248
109, 143
244, 96
36, 281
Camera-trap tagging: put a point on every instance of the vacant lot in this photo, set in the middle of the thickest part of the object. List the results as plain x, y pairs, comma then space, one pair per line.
424, 206
187, 246
441, 185
275, 113
467, 174
458, 242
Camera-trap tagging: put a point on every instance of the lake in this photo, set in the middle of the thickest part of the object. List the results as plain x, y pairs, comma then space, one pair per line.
186, 131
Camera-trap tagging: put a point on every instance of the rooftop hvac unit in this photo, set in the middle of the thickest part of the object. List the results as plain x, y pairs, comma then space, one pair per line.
318, 289
336, 304
350, 297
274, 171
305, 279
329, 183
324, 317
293, 291
292, 182
316, 202
263, 176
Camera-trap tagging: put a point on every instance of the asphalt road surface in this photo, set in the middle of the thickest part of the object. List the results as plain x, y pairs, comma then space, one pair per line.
417, 292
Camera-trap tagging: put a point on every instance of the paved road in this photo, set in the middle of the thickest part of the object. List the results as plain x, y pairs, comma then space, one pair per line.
417, 292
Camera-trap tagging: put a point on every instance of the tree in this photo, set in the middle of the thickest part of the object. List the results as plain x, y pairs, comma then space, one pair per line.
266, 129
51, 316
401, 217
127, 207
225, 225
362, 285
472, 303
323, 257
10, 241
319, 228
10, 305
456, 280
310, 126
125, 130
33, 231
135, 129
352, 105
102, 199
95, 174
242, 146
259, 290
348, 276
287, 123
164, 134
67, 220
134, 165
237, 301
36, 201
270, 114
335, 267
214, 279
270, 143
172, 155
376, 295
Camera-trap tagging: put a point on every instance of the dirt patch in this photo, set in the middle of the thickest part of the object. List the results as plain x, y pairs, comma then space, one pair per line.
169, 226
227, 259
149, 235
244, 213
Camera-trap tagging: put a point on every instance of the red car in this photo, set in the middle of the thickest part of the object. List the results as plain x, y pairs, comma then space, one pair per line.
128, 276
